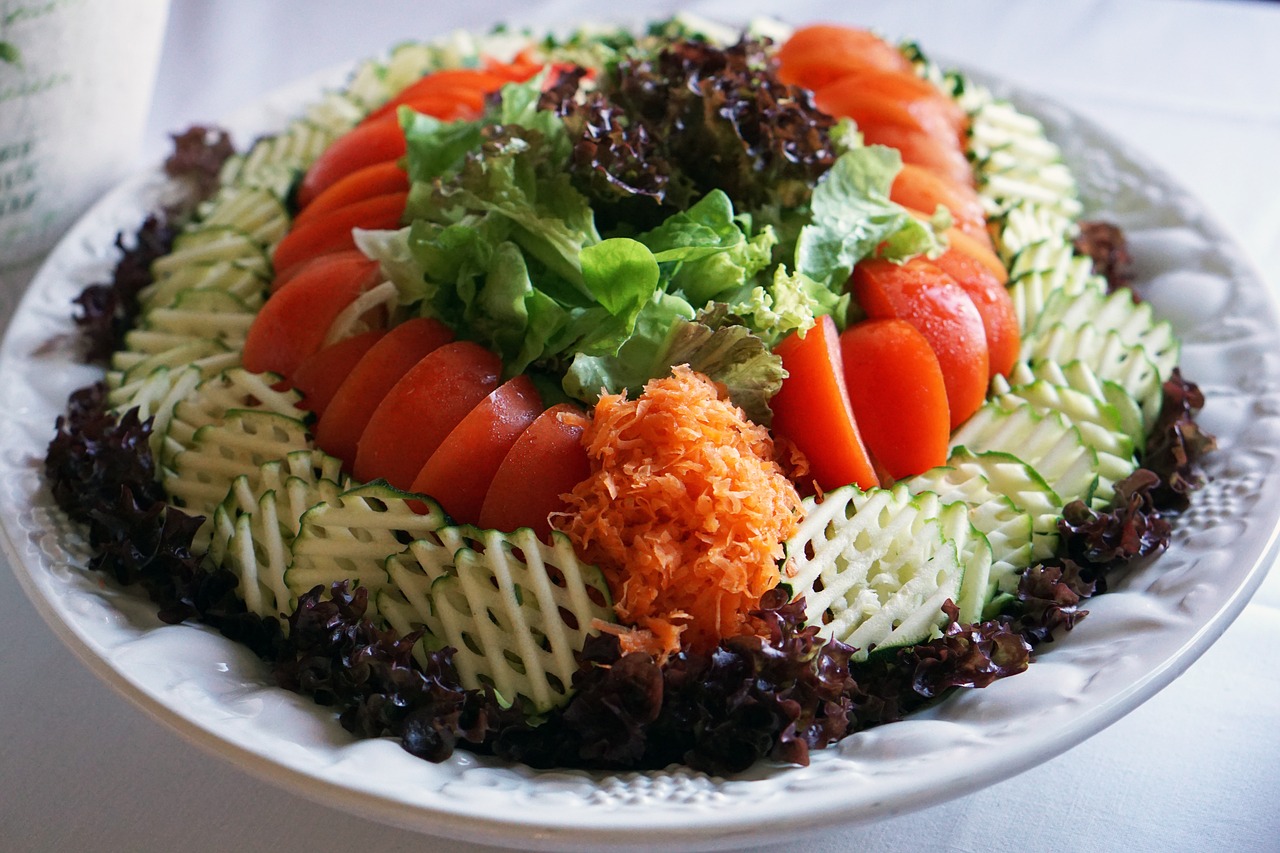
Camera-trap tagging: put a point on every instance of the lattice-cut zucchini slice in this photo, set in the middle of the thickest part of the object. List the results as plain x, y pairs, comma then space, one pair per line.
209, 245
254, 527
244, 283
1133, 322
516, 610
202, 313
1028, 224
257, 211
232, 389
867, 562
1048, 442
1007, 526
406, 603
241, 443
1078, 376
1040, 271
1098, 421
974, 552
1108, 356
351, 536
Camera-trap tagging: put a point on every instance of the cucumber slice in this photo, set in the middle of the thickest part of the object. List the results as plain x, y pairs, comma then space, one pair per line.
203, 313
245, 283
242, 441
208, 245
1133, 322
213, 398
867, 562
1040, 271
1049, 443
1109, 357
256, 211
516, 610
351, 537
1027, 224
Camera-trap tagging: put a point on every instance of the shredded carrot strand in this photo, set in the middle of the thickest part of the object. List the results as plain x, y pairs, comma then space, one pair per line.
685, 512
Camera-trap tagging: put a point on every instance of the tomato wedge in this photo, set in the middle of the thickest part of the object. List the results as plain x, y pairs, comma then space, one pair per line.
922, 149
294, 322
420, 411
367, 144
929, 299
812, 409
378, 179
921, 189
898, 395
994, 304
343, 421
453, 90
458, 475
319, 374
546, 461
871, 109
332, 231
816, 55
906, 88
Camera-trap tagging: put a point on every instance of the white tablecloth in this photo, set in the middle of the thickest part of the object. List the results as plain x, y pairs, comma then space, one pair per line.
1195, 85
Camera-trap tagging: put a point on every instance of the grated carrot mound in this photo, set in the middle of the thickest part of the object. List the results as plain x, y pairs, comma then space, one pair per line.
685, 512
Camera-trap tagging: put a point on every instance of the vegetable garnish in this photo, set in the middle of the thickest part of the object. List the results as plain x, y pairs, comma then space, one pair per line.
634, 434
685, 511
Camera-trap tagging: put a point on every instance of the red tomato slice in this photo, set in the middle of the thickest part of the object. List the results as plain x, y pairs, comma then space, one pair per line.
294, 322
367, 144
812, 409
343, 421
922, 149
898, 396
458, 475
455, 90
546, 461
869, 109
378, 179
929, 299
999, 316
921, 189
421, 410
320, 374
334, 259
906, 88
332, 231
816, 55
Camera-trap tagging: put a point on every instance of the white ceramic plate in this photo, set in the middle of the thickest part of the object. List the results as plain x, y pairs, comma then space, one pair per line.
1157, 620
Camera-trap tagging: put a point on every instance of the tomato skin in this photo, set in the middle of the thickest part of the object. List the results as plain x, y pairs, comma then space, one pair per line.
812, 409
458, 475
343, 421
457, 93
332, 231
920, 189
869, 109
368, 182
421, 409
319, 374
994, 304
293, 323
818, 54
922, 149
546, 461
367, 144
930, 300
898, 395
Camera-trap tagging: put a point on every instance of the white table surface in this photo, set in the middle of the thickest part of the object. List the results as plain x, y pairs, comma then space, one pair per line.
1195, 85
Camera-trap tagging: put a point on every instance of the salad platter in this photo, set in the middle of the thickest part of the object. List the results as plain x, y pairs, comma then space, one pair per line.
1156, 618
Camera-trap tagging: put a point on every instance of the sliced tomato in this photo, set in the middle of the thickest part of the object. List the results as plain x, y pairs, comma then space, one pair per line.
379, 179
812, 409
921, 189
929, 299
343, 421
420, 411
458, 475
451, 91
367, 144
546, 461
295, 321
907, 88
898, 396
871, 109
922, 149
319, 374
333, 231
999, 315
818, 54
